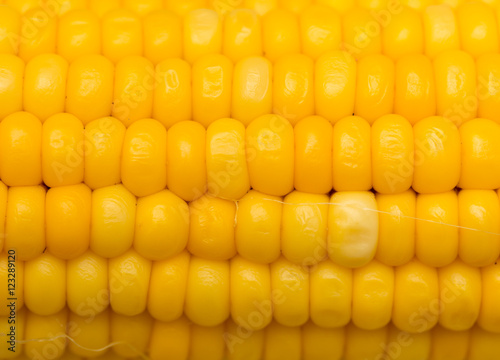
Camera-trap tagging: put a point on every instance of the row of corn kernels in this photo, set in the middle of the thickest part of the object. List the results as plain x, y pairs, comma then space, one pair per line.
143, 7
395, 31
453, 85
352, 228
226, 160
414, 296
134, 337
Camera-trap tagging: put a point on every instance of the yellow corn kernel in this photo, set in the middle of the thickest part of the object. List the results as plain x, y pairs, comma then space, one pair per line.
207, 343
242, 35
352, 163
38, 34
45, 284
414, 346
186, 160
313, 155
488, 87
320, 31
51, 327
304, 228
478, 28
455, 77
440, 30
330, 295
437, 155
392, 154
11, 84
480, 155
227, 169
364, 344
374, 87
167, 287
322, 343
447, 344
79, 34
352, 228
181, 8
133, 89
282, 342
415, 94
291, 282
202, 34
172, 92
207, 292
211, 231
252, 93
341, 6
87, 284
20, 150
90, 335
258, 227
335, 85
377, 5
144, 158
293, 87
416, 297
295, 6
131, 273
3, 211
248, 346
460, 289
10, 21
418, 5
404, 35
396, 239
362, 33
483, 344
143, 7
373, 291
270, 155
6, 259
65, 6
25, 221
44, 90
104, 140
9, 335
212, 82
170, 340
102, 7
161, 225
261, 7
436, 232
479, 220
281, 34
62, 150
21, 6
121, 35
489, 315
162, 36
131, 333
113, 220
67, 216
89, 93
251, 300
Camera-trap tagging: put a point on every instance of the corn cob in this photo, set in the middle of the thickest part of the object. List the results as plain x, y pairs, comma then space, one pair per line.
388, 275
